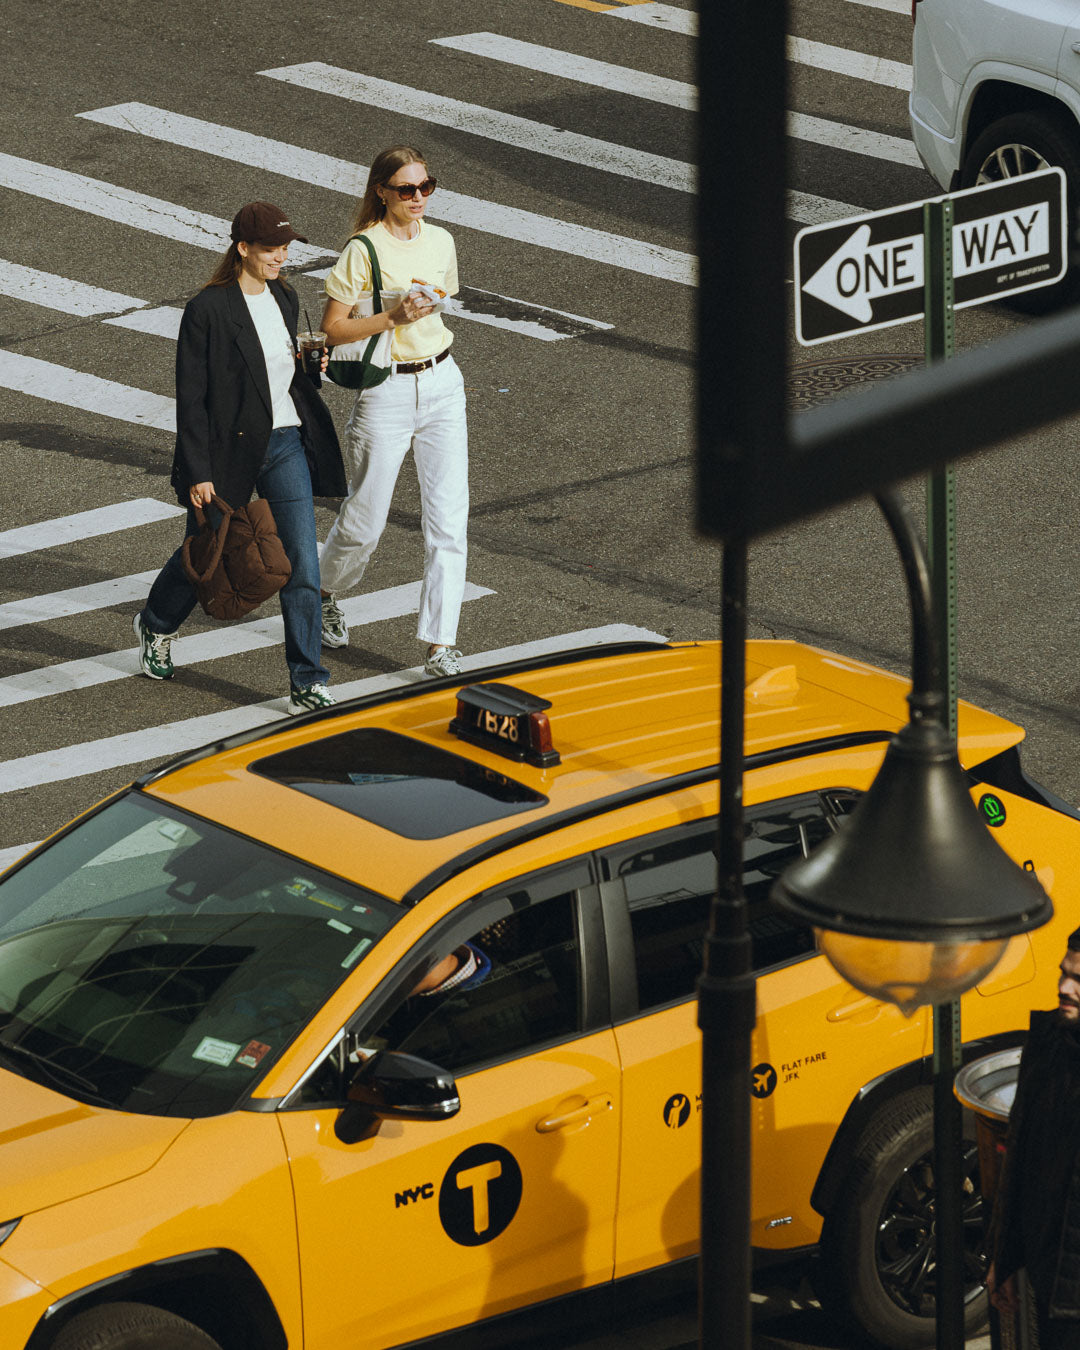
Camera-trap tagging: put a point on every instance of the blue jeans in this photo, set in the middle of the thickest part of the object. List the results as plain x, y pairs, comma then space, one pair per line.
285, 483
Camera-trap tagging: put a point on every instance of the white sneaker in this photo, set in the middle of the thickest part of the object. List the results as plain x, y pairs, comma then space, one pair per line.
309, 699
335, 631
443, 661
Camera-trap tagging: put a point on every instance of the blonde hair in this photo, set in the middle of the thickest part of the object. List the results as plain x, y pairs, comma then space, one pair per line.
386, 163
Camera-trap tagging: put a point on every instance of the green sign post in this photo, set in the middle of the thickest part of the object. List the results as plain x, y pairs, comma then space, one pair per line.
938, 297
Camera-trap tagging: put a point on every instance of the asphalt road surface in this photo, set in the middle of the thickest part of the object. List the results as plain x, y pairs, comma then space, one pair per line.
561, 133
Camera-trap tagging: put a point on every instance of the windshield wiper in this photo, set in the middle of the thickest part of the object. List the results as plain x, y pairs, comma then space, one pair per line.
60, 1073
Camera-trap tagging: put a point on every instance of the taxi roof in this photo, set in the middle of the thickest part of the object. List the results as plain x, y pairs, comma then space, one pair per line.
625, 721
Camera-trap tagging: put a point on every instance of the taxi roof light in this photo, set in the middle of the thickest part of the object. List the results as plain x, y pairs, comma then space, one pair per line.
507, 721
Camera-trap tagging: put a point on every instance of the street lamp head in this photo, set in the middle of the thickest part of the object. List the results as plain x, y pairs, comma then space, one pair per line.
913, 900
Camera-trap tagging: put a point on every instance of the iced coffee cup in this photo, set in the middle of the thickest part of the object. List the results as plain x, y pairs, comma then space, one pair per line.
312, 345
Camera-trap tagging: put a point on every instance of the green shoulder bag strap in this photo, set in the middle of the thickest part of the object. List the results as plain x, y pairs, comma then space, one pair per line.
376, 288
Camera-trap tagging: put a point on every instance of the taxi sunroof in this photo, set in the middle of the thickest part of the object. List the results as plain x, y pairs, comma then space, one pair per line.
413, 789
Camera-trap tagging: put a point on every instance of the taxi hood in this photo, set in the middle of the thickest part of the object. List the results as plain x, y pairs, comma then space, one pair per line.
55, 1148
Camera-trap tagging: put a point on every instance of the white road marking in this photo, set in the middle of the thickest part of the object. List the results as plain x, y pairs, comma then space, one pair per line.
838, 136
659, 16
857, 65
12, 855
166, 219
227, 640
154, 744
78, 600
893, 6
506, 128
162, 321
84, 525
311, 166
55, 292
807, 209
550, 61
91, 393
673, 93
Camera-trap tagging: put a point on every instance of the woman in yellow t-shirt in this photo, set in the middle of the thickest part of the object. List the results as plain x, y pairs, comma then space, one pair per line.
420, 407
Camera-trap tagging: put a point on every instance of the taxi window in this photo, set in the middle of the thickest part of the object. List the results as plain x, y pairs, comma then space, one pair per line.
153, 962
530, 996
401, 784
669, 885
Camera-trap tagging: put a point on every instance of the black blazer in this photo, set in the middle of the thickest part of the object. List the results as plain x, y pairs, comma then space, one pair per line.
223, 410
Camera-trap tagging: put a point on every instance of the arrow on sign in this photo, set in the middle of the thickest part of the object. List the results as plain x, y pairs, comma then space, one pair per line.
860, 272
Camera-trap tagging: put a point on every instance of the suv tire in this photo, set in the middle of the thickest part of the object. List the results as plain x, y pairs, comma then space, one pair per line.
877, 1244
1022, 143
131, 1326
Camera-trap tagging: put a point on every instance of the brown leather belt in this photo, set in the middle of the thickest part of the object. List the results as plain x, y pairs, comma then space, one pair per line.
415, 367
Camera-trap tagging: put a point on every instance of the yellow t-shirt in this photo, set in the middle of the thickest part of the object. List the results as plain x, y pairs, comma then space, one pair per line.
430, 256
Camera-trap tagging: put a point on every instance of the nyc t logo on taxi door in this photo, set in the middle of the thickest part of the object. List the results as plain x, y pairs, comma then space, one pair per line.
480, 1194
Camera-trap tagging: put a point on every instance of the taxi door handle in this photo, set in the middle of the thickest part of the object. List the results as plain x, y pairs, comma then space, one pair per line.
578, 1114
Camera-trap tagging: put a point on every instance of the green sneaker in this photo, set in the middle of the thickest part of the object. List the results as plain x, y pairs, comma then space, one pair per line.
335, 631
153, 650
309, 699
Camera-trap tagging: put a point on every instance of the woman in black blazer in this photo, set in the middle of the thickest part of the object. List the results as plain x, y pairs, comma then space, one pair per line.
249, 419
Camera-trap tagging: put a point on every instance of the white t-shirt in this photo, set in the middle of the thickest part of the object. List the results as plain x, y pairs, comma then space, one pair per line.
278, 354
429, 256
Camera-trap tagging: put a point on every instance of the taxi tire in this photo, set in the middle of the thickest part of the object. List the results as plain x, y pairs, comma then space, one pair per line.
848, 1284
1053, 136
131, 1326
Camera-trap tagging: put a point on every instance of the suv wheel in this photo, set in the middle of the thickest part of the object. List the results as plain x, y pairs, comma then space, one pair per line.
877, 1245
1022, 143
131, 1326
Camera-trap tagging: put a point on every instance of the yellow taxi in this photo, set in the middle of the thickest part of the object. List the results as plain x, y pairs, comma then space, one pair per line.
366, 1027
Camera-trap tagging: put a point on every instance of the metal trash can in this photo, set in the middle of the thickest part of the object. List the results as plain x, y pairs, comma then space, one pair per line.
987, 1087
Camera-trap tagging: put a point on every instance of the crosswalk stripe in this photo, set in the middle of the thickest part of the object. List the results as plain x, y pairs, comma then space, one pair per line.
857, 65
674, 93
84, 525
893, 6
173, 738
56, 292
583, 69
76, 600
91, 393
506, 128
659, 16
806, 209
854, 139
168, 220
161, 321
66, 676
310, 166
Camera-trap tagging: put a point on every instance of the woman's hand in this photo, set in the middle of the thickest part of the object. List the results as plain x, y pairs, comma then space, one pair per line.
201, 493
415, 306
1003, 1296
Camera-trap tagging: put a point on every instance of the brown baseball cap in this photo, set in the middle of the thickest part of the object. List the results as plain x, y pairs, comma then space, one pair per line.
263, 223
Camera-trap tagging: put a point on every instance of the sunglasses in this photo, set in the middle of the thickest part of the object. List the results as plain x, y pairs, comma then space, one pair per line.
408, 190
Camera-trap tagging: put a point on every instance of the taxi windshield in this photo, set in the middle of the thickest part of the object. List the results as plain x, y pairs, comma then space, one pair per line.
153, 962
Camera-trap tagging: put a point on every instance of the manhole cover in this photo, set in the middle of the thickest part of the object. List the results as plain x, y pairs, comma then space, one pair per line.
812, 382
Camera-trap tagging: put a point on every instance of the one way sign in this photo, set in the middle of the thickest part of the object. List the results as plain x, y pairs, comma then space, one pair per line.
866, 272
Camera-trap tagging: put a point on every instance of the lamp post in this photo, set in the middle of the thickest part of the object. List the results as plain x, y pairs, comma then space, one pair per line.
913, 900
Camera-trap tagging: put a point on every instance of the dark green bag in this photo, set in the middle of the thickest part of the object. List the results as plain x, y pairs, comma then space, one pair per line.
366, 362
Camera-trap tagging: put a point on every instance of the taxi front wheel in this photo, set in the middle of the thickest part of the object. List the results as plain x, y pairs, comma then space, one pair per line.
878, 1273
131, 1326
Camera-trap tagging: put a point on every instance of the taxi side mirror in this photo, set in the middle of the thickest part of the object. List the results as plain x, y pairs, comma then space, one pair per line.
395, 1086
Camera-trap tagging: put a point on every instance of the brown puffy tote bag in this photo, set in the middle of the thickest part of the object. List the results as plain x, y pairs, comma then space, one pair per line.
240, 564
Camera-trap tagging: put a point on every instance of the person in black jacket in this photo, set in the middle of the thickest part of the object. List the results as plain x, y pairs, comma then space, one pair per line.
248, 419
1036, 1221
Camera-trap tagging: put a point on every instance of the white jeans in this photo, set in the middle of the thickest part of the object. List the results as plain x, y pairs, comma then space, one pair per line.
424, 413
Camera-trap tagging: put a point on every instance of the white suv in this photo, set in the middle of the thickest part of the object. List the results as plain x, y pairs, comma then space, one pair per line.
995, 93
